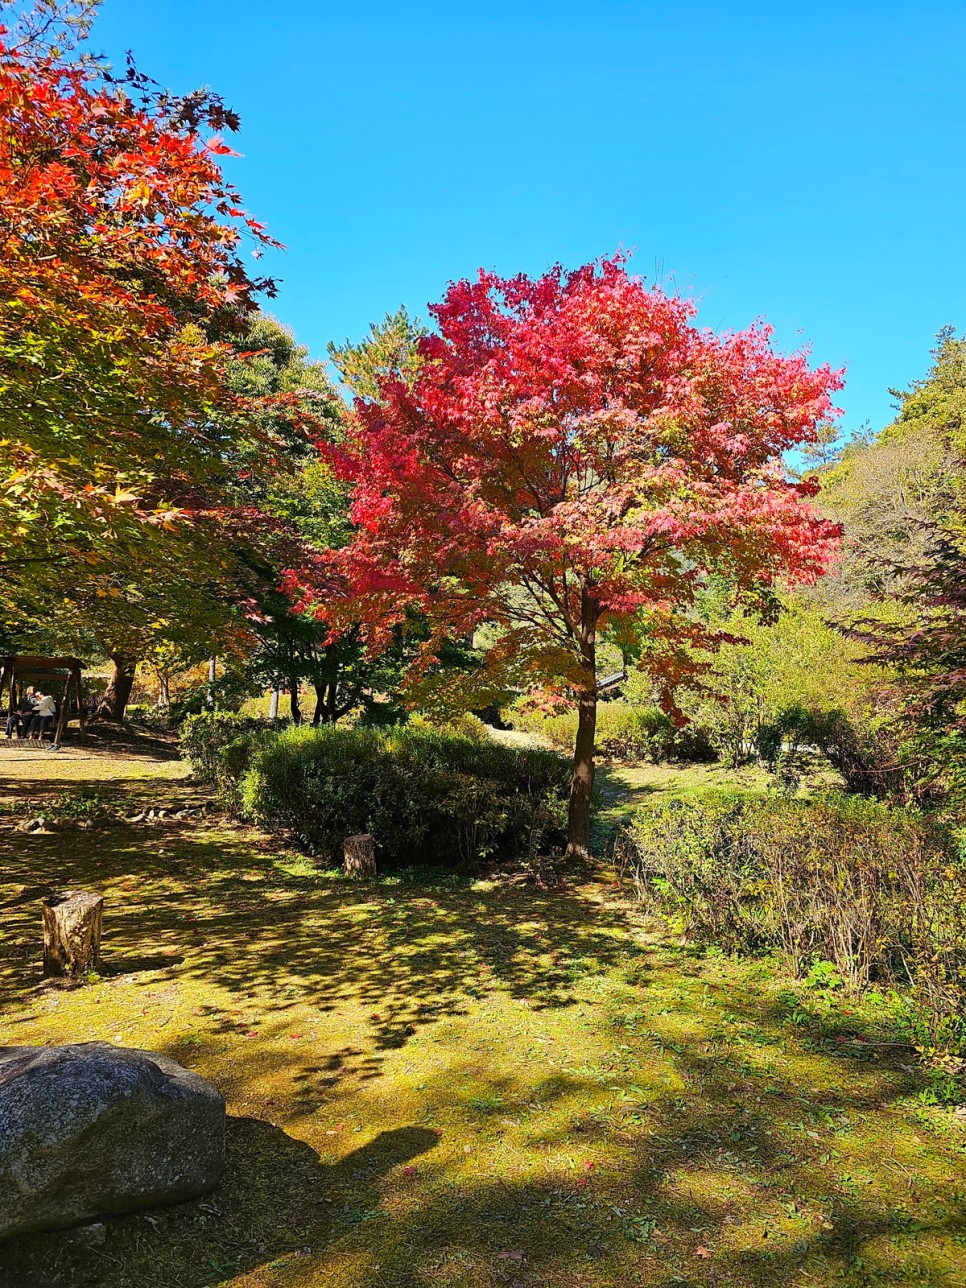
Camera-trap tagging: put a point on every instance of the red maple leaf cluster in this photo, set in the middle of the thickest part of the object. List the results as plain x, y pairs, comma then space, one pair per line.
575, 454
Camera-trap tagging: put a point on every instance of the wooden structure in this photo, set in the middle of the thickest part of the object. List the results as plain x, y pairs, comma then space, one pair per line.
72, 933
612, 681
20, 669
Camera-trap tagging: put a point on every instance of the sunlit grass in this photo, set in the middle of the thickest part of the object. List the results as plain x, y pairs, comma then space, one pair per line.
473, 1082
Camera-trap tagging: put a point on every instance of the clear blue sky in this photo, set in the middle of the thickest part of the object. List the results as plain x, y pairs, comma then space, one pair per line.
805, 163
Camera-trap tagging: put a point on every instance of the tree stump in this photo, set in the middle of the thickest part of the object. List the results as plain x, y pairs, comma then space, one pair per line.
72, 933
360, 856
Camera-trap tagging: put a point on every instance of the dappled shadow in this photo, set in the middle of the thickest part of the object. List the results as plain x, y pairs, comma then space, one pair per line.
276, 1200
698, 1183
102, 738
412, 956
716, 1165
116, 765
131, 965
710, 1133
778, 1150
121, 794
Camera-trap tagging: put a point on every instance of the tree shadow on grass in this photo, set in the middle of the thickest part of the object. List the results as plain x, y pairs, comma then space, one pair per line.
276, 1203
705, 1139
231, 918
742, 1172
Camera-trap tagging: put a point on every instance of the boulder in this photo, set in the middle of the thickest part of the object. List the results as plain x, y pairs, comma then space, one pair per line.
93, 1130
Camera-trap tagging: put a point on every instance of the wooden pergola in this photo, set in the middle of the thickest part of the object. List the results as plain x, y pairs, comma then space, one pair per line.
20, 669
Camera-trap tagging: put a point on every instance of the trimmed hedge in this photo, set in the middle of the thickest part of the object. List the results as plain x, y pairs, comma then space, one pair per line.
878, 891
220, 746
428, 797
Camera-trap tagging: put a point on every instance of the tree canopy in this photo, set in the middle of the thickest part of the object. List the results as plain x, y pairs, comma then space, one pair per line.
132, 414
571, 456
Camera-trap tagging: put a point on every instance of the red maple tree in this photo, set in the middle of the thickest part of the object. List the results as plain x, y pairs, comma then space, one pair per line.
575, 457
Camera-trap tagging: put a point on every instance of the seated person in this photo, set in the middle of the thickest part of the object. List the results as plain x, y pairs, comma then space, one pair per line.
46, 710
20, 717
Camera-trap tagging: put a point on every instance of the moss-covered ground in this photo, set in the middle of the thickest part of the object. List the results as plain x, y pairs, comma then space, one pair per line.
467, 1082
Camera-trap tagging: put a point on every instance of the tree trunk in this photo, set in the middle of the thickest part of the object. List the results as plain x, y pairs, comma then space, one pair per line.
113, 701
293, 693
326, 703
72, 933
319, 706
360, 856
582, 783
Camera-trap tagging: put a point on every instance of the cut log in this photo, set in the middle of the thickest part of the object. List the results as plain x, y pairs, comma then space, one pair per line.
72, 933
360, 856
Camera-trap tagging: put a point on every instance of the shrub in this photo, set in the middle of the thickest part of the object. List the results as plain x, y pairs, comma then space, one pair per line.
866, 750
692, 743
624, 730
633, 733
876, 890
152, 719
426, 797
220, 746
466, 725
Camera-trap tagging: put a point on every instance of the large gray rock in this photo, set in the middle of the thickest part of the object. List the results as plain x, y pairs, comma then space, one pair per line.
95, 1130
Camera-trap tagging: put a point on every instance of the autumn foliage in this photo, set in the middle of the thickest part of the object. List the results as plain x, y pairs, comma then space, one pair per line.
574, 457
120, 272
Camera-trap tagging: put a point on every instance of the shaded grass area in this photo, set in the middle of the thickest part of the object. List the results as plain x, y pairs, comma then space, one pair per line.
625, 785
449, 1082
118, 764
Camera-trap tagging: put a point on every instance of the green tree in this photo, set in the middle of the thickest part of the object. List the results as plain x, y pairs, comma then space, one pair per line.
390, 350
914, 620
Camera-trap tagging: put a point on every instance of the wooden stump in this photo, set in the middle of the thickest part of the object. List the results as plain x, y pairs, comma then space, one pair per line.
360, 856
72, 933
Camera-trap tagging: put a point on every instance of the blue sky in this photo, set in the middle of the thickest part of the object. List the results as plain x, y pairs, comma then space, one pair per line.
801, 163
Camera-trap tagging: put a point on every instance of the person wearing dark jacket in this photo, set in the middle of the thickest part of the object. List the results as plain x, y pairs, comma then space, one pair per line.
21, 718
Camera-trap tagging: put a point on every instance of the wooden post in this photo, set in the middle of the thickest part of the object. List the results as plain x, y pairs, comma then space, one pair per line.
62, 714
78, 688
72, 933
360, 856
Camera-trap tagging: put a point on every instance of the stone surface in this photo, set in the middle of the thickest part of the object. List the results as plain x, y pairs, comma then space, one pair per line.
91, 1235
93, 1130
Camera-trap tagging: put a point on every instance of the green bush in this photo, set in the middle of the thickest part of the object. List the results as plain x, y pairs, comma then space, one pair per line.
426, 797
220, 746
624, 730
465, 725
876, 890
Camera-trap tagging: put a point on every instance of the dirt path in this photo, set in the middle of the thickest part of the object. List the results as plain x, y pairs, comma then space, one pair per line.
119, 767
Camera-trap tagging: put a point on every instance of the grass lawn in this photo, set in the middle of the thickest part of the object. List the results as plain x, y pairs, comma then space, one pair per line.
467, 1082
